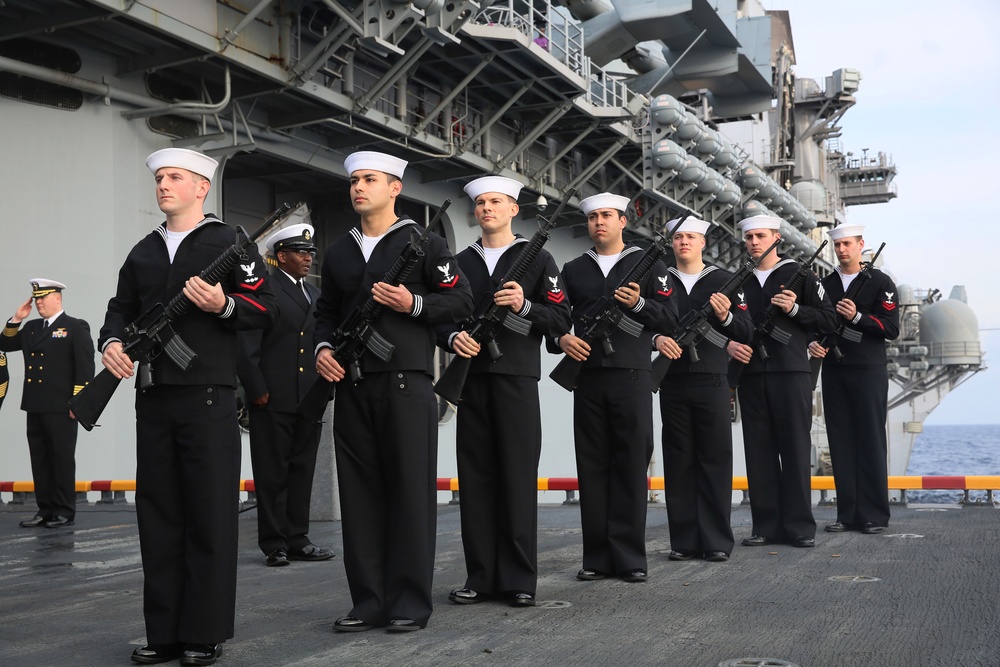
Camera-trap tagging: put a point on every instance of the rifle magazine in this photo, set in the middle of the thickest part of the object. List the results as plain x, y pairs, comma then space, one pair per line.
780, 335
179, 352
630, 326
852, 335
379, 346
715, 338
517, 324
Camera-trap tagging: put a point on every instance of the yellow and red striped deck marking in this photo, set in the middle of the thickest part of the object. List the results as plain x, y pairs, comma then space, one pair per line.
824, 483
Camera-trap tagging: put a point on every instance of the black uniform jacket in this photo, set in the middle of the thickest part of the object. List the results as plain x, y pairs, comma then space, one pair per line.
814, 315
56, 364
656, 310
738, 326
4, 377
441, 294
877, 319
546, 306
279, 360
148, 278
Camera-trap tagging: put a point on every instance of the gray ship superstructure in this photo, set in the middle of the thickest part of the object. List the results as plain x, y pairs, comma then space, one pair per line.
679, 105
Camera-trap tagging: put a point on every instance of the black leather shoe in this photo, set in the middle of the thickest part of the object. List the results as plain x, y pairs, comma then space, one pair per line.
467, 596
678, 554
201, 654
590, 575
402, 625
37, 521
310, 552
716, 556
837, 527
872, 528
156, 653
58, 522
522, 600
351, 624
756, 541
634, 576
277, 558
803, 542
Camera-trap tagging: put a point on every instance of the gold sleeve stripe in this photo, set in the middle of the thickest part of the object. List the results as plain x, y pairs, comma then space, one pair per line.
3, 390
11, 330
77, 388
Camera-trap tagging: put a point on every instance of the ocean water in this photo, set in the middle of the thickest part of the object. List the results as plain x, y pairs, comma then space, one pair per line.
954, 450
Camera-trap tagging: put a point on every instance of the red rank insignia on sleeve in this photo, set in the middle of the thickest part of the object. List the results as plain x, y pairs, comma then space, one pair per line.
448, 279
888, 303
556, 294
664, 289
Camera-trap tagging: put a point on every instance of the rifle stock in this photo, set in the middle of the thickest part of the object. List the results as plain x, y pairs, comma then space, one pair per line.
604, 317
357, 332
153, 333
90, 402
484, 325
829, 341
696, 325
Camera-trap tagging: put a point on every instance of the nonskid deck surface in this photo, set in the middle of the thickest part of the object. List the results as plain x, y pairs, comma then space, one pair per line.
924, 593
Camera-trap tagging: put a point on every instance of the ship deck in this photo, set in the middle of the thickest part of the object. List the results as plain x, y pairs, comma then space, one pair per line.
924, 593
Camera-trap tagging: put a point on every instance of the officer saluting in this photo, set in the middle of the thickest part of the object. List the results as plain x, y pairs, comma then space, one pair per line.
58, 360
276, 368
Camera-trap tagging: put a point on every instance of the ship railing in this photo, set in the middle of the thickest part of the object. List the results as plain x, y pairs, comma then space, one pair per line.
547, 26
113, 491
606, 90
554, 30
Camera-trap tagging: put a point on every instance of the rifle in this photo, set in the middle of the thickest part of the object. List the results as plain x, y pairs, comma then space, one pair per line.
485, 322
605, 316
697, 324
153, 332
829, 341
766, 326
357, 332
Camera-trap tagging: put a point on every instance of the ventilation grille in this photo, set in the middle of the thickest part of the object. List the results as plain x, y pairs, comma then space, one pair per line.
34, 91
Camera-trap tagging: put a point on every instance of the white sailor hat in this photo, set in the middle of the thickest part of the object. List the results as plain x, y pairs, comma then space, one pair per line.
759, 222
292, 237
691, 224
43, 287
604, 200
383, 162
185, 159
846, 230
505, 186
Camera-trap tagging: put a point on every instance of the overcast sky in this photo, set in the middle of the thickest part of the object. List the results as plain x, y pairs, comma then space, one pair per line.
929, 95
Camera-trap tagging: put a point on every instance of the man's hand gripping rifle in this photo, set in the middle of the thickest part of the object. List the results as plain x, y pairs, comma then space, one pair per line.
153, 332
485, 323
697, 324
605, 316
844, 331
357, 333
766, 326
